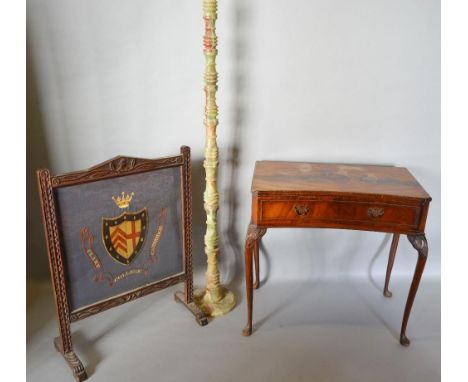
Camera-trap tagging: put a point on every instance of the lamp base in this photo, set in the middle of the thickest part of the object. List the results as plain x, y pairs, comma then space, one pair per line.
214, 308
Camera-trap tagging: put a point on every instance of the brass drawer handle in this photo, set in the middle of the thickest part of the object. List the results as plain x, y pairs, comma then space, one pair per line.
375, 212
301, 210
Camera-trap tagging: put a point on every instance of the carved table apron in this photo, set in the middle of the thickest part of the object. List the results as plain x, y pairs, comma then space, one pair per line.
359, 197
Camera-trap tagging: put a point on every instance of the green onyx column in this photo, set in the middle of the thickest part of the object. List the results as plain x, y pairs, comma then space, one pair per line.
214, 300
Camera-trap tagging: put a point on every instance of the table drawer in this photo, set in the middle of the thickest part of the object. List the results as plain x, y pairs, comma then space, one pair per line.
314, 212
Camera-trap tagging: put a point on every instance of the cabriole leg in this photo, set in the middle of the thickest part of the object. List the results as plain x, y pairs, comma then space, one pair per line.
391, 260
248, 287
256, 254
253, 235
419, 243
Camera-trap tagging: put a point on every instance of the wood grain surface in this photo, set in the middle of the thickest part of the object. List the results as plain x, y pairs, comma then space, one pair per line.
272, 176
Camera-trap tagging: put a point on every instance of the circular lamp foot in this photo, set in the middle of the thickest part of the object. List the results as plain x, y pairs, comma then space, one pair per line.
213, 308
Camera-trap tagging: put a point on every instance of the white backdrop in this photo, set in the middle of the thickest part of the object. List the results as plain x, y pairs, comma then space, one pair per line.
314, 80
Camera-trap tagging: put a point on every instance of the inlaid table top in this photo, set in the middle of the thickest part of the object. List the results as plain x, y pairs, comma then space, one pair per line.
274, 176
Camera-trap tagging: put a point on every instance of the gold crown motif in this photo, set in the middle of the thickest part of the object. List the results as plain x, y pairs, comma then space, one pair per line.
123, 201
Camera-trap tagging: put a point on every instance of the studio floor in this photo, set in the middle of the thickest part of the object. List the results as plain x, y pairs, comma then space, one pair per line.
327, 331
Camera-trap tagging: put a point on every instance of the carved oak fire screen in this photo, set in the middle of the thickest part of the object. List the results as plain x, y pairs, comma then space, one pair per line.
116, 232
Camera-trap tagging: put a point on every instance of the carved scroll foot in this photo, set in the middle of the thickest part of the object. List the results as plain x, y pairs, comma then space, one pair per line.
391, 260
200, 317
73, 361
419, 243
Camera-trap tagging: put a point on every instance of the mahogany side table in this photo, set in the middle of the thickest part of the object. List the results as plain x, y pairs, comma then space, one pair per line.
359, 197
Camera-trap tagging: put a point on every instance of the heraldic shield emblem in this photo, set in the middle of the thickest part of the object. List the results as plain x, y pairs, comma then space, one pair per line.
124, 235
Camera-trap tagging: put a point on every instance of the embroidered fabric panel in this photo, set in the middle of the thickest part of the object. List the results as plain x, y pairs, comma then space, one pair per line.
120, 234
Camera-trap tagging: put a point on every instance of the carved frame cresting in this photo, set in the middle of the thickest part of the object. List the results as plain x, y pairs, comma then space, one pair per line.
116, 167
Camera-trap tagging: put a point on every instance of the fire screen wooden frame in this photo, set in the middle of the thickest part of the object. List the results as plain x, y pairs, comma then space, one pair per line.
120, 166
